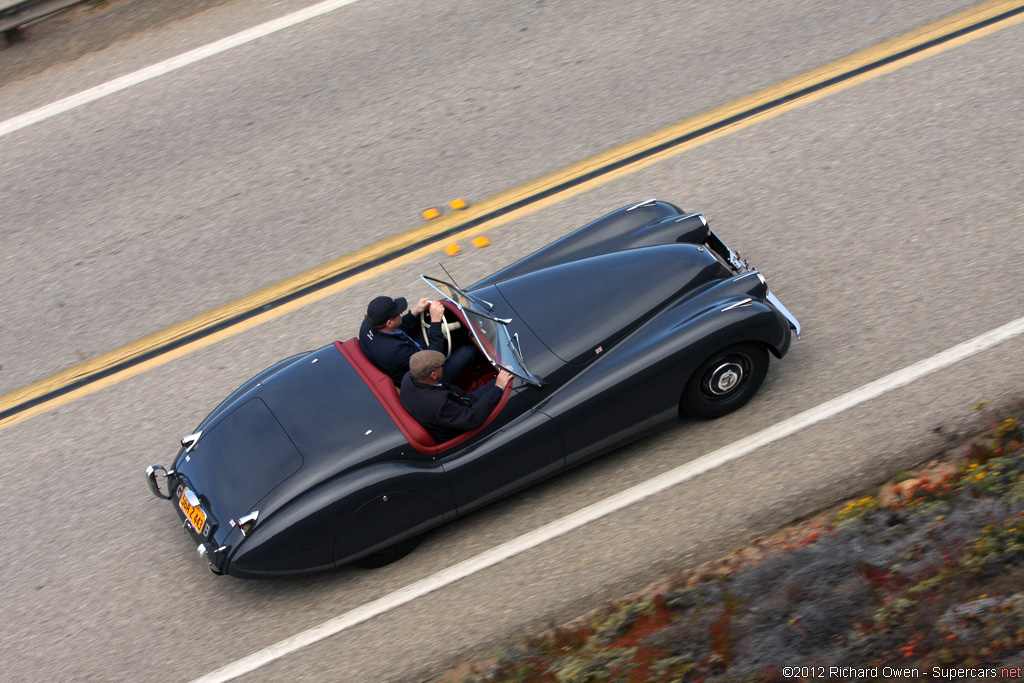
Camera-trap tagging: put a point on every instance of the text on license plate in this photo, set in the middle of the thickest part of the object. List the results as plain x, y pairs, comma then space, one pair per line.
195, 514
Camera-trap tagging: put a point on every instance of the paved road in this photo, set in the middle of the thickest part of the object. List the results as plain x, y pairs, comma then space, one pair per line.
886, 217
85, 28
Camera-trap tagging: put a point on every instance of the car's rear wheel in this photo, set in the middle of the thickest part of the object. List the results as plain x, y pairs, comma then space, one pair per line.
390, 554
725, 381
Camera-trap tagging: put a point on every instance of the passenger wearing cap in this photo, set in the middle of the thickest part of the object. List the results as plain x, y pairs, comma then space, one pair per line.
389, 338
445, 410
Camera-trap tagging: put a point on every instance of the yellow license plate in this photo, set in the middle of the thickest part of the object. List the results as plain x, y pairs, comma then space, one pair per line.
196, 516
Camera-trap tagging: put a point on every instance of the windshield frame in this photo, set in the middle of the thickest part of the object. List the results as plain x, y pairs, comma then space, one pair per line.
501, 348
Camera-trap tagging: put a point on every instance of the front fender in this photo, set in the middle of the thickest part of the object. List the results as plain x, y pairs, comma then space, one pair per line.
648, 370
743, 303
635, 387
733, 322
640, 225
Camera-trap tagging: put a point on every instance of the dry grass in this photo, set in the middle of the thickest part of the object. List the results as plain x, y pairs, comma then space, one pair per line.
926, 573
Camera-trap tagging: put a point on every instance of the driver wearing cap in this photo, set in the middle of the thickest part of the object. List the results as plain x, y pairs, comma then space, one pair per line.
388, 338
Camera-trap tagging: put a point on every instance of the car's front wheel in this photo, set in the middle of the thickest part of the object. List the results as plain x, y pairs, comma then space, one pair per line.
725, 381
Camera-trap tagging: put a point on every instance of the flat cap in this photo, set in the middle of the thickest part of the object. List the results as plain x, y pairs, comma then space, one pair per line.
422, 363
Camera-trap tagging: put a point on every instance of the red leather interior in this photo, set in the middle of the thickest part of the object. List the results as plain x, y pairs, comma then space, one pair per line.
384, 389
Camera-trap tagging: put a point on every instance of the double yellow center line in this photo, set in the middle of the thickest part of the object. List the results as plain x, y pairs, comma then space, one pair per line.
329, 278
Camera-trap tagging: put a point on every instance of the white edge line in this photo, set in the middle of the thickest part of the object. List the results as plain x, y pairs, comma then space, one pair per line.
168, 65
632, 495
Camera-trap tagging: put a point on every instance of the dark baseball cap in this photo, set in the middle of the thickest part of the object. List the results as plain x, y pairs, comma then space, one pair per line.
383, 309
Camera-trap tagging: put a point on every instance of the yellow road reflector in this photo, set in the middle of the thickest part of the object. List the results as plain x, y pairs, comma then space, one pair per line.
481, 241
452, 249
431, 213
457, 204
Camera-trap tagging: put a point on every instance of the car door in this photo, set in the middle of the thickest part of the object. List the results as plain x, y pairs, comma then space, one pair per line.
616, 400
522, 451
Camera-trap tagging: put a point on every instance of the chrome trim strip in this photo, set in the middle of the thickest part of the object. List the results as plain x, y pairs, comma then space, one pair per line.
693, 215
739, 304
751, 273
646, 202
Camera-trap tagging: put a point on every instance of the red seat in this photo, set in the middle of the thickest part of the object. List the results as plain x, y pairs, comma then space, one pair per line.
384, 389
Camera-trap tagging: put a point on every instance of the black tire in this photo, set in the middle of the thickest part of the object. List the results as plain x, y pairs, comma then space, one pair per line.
389, 555
725, 381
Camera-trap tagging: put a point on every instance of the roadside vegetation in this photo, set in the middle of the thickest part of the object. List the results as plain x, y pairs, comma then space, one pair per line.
925, 574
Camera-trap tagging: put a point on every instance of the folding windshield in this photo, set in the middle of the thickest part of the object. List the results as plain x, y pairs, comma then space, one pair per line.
491, 333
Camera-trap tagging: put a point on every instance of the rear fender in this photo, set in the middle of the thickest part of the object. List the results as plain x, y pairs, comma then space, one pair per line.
242, 390
310, 532
390, 516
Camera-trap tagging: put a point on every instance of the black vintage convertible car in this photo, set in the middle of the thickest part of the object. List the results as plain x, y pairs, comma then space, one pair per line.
611, 332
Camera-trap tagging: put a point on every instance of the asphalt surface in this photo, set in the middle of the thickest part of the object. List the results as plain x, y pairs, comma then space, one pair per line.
886, 217
84, 28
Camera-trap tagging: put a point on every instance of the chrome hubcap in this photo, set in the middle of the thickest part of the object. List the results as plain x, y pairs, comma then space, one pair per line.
725, 378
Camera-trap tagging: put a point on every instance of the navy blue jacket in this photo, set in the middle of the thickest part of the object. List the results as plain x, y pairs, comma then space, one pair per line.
391, 352
445, 410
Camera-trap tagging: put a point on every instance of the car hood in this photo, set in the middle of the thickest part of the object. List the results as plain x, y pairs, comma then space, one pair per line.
579, 309
305, 424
